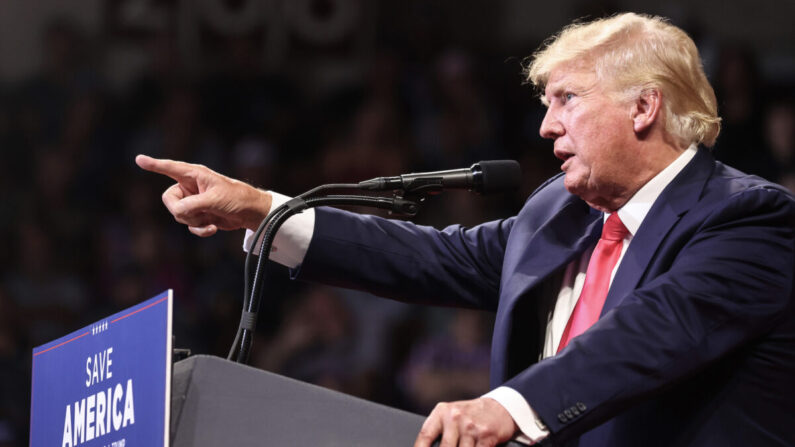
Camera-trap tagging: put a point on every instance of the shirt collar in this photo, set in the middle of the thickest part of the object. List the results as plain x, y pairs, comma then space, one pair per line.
634, 211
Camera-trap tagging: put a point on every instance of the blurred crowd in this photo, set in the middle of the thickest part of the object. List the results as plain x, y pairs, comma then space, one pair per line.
85, 234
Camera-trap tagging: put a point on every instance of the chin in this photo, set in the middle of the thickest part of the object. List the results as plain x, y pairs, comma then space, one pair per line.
593, 200
573, 186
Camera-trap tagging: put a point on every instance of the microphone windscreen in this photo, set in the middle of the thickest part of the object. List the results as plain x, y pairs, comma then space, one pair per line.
500, 175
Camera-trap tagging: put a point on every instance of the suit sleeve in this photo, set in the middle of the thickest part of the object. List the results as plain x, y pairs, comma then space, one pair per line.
457, 266
729, 284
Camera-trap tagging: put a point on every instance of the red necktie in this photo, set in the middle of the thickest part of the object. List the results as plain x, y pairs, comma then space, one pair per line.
597, 279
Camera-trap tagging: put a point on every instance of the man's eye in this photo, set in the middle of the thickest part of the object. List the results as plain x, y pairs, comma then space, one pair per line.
568, 97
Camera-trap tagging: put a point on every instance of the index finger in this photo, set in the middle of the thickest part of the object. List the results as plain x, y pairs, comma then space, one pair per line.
177, 170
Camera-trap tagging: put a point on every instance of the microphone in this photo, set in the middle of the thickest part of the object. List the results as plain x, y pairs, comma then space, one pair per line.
483, 177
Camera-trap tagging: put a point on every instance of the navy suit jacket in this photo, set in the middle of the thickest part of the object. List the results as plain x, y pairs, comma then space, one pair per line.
696, 342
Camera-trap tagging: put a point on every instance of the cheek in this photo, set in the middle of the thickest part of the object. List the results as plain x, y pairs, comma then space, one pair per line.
583, 125
600, 141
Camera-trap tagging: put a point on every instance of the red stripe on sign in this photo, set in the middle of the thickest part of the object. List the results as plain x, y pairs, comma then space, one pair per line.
143, 308
61, 344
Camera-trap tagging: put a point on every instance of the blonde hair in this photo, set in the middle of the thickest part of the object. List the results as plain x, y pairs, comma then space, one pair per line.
631, 53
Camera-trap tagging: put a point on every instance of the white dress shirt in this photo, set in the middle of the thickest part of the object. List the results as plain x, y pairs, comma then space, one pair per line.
293, 238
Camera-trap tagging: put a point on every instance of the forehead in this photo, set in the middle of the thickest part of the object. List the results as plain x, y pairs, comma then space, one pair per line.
578, 78
570, 76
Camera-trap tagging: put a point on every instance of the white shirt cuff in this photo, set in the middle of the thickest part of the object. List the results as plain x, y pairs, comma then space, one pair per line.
292, 240
532, 428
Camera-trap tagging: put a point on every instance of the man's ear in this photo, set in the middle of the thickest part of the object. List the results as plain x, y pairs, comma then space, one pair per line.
646, 109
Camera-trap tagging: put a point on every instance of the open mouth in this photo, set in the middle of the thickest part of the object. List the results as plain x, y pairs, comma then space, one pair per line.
565, 156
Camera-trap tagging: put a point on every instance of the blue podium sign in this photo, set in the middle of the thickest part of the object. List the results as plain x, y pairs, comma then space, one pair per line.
108, 384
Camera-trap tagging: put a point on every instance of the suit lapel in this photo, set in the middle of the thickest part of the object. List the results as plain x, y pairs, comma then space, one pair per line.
535, 253
644, 245
564, 236
677, 198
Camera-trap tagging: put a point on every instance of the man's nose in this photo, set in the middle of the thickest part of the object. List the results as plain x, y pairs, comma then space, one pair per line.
551, 126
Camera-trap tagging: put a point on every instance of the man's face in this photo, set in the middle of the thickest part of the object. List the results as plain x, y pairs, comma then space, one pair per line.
592, 133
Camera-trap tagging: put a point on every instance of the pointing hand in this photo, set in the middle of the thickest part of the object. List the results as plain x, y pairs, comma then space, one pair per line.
207, 201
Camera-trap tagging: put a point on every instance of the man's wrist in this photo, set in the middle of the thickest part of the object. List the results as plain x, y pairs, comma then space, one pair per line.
291, 241
261, 201
531, 428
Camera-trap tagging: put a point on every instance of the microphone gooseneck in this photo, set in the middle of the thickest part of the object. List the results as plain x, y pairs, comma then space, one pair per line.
408, 191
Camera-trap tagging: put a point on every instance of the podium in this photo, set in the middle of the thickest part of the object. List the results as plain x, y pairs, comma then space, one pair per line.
215, 402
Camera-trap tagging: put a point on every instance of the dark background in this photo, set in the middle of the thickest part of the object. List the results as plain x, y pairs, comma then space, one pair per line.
288, 95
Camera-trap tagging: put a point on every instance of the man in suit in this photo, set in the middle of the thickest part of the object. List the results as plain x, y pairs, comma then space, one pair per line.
643, 297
